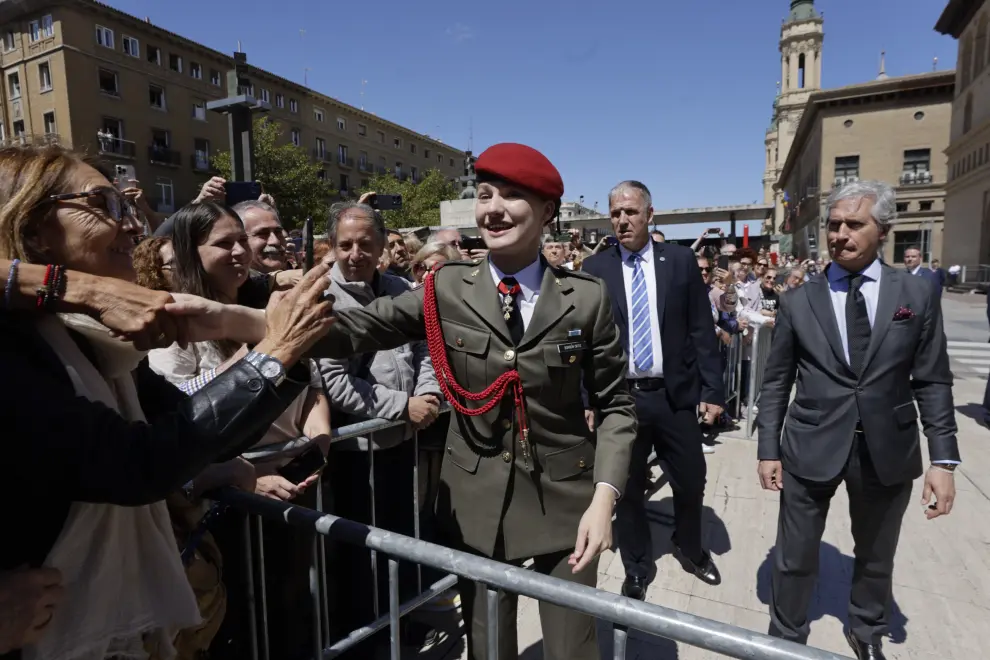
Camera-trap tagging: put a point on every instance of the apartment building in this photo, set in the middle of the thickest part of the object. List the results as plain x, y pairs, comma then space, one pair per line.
892, 129
97, 79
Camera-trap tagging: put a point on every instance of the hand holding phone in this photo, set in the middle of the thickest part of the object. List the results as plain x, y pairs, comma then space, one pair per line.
307, 464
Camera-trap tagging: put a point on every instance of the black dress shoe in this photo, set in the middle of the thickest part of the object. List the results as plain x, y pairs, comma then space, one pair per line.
706, 571
864, 650
635, 588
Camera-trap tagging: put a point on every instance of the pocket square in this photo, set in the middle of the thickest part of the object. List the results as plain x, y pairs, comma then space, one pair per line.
903, 314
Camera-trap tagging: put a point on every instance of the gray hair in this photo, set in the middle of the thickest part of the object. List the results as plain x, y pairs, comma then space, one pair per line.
339, 209
632, 185
241, 207
551, 238
433, 248
884, 209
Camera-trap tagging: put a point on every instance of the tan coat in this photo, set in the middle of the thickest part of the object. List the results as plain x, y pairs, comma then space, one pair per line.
486, 483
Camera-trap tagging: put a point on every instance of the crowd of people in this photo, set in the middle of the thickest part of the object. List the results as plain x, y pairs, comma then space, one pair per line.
160, 359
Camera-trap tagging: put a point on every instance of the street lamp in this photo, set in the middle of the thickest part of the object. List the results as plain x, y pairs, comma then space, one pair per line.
240, 106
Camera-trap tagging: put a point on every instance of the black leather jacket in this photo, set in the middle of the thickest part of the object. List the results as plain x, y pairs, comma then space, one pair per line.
59, 448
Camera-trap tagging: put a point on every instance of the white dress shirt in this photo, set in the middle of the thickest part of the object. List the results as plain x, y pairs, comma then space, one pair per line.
646, 256
916, 271
838, 287
530, 280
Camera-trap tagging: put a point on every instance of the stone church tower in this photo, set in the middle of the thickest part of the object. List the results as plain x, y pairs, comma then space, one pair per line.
801, 37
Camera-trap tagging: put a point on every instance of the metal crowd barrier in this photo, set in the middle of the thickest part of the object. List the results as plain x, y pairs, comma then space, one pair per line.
623, 613
757, 366
732, 376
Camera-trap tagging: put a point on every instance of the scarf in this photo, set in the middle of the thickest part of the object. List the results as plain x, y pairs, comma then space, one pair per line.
125, 585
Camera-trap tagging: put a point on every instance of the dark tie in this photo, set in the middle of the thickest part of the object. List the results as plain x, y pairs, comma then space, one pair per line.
857, 325
510, 290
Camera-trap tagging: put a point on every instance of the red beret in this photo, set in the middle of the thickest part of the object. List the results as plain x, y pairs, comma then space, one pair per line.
524, 166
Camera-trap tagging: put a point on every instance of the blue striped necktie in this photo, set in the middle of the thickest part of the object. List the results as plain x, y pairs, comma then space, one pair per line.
642, 342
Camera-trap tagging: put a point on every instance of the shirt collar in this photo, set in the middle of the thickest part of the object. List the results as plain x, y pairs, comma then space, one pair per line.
837, 273
646, 253
530, 278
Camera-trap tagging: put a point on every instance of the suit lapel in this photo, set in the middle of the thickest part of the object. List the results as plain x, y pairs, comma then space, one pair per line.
820, 299
615, 283
660, 270
551, 306
482, 298
887, 300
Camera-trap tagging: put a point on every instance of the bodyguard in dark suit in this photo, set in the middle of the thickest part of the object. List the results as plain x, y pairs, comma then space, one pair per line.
525, 480
865, 343
913, 265
660, 303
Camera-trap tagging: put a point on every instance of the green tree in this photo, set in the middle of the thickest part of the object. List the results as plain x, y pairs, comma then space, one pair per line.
420, 201
288, 174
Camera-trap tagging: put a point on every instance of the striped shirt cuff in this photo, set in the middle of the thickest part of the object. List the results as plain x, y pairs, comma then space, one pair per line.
197, 383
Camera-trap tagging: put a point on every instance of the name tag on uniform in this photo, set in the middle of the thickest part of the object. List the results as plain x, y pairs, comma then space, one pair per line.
574, 333
570, 347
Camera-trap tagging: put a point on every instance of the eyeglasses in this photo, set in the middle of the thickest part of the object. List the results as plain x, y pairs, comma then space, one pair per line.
705, 269
110, 200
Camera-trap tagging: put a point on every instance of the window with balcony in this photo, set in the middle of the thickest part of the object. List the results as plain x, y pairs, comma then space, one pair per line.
362, 129
45, 76
156, 96
342, 154
845, 167
321, 148
34, 31
345, 183
8, 42
166, 195
201, 154
412, 148
160, 138
318, 115
14, 85
279, 100
175, 62
398, 170
414, 173
108, 82
381, 137
215, 78
397, 143
196, 70
49, 120
104, 36
199, 110
112, 127
341, 124
160, 149
321, 175
132, 47
47, 26
266, 95
154, 55
296, 137
426, 153
293, 106
363, 162
18, 127
917, 160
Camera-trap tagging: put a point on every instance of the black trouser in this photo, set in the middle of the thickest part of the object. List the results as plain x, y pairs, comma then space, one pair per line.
677, 439
288, 556
352, 594
876, 512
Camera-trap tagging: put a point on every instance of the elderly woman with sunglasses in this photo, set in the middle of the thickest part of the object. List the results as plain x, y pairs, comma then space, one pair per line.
96, 439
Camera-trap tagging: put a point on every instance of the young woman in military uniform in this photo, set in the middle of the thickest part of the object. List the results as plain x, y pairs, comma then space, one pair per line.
513, 340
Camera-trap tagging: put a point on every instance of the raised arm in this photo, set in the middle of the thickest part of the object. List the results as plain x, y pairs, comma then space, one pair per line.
385, 324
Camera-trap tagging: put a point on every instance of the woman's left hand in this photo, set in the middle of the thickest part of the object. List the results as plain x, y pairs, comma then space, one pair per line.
594, 531
209, 320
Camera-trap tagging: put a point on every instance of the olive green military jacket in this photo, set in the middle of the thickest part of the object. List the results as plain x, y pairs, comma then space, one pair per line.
486, 481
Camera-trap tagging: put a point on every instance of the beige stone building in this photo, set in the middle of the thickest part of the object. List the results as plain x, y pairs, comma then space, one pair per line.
891, 129
98, 79
967, 235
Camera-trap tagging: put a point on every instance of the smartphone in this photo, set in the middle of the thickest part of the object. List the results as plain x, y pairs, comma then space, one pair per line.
723, 261
123, 175
714, 232
383, 202
308, 243
241, 191
304, 466
473, 243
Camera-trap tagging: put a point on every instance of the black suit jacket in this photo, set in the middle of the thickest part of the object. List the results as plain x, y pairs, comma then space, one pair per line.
692, 366
907, 362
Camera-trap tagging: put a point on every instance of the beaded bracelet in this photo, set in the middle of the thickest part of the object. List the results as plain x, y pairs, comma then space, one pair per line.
52, 287
8, 290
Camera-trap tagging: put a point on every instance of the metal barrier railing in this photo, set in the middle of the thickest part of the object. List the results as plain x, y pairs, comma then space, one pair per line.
759, 354
731, 376
623, 613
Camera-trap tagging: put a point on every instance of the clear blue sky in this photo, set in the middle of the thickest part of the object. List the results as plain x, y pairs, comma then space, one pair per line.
677, 94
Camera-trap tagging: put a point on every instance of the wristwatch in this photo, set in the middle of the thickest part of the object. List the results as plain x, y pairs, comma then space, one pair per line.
269, 367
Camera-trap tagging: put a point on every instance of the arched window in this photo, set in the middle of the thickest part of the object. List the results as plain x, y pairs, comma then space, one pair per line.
802, 72
980, 54
968, 114
966, 64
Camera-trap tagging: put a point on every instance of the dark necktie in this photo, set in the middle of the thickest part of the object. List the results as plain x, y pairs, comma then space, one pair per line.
857, 325
510, 290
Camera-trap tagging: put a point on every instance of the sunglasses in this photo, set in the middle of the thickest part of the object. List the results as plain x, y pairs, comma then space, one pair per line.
706, 269
107, 199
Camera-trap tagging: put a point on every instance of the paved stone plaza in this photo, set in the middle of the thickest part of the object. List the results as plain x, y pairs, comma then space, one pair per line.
942, 577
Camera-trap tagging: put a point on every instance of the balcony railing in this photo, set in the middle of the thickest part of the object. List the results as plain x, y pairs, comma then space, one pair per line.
381, 169
401, 176
919, 178
322, 154
113, 146
164, 156
343, 161
200, 163
365, 166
